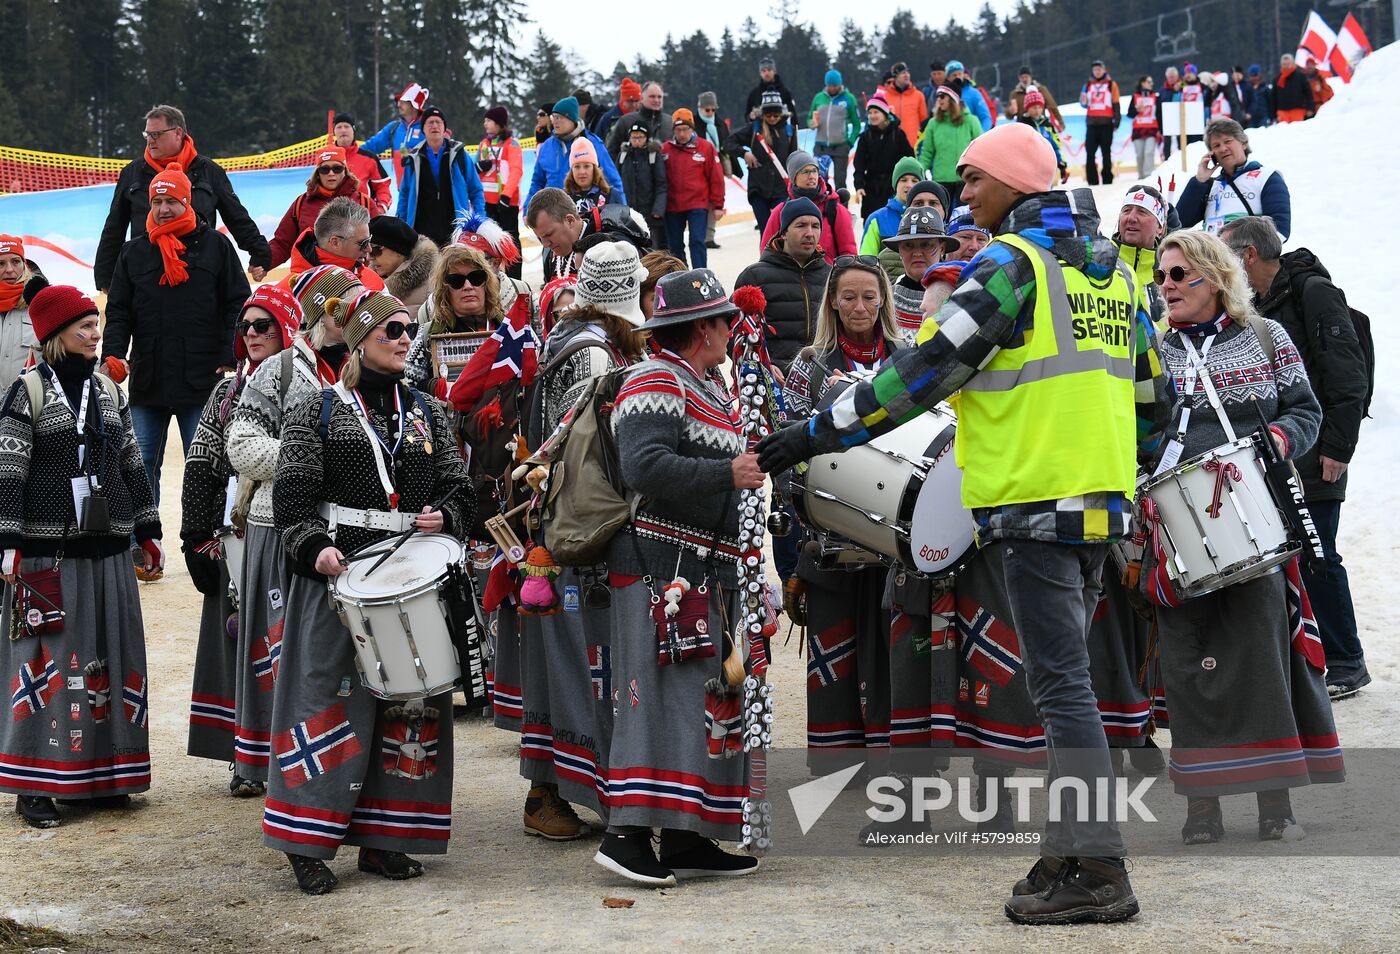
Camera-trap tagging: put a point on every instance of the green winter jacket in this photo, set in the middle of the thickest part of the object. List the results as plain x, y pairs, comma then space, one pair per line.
942, 145
836, 125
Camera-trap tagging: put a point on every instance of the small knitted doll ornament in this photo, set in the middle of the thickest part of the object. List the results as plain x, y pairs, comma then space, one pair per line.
537, 596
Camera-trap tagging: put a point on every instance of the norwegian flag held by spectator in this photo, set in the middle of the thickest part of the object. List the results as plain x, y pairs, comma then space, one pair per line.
511, 352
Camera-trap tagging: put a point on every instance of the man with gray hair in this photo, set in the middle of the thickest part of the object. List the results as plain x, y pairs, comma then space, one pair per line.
339, 237
1296, 291
168, 141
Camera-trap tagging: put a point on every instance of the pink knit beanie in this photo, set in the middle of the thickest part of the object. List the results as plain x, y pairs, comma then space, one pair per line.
1015, 155
582, 151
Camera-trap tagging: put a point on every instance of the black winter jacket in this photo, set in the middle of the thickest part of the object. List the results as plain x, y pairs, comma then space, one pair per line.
643, 174
755, 99
210, 193
1294, 93
794, 295
764, 180
877, 151
179, 336
1320, 325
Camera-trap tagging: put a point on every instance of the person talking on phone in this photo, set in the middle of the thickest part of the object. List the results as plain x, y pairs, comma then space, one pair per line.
73, 491
1229, 185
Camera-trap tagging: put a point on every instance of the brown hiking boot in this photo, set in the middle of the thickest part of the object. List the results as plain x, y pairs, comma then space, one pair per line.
1087, 890
549, 816
1041, 876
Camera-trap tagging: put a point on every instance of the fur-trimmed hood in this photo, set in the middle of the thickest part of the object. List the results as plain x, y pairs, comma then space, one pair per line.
409, 282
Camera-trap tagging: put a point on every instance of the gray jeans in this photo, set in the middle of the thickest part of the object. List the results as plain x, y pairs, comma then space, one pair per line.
840, 156
1145, 151
1051, 590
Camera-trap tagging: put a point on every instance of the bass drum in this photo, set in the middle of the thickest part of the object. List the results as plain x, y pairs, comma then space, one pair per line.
899, 496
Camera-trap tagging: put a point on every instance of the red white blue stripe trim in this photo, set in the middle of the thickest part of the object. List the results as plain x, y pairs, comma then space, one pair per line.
67, 779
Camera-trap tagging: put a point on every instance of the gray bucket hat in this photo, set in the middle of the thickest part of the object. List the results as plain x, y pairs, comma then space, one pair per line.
689, 296
922, 222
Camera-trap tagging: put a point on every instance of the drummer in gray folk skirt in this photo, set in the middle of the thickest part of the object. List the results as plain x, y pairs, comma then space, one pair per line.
848, 628
370, 452
566, 655
72, 493
1244, 682
682, 452
269, 320
253, 441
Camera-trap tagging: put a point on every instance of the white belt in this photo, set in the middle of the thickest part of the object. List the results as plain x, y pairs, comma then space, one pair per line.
386, 520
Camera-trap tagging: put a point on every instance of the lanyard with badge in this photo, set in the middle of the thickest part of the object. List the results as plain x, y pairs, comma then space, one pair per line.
1197, 371
89, 501
380, 447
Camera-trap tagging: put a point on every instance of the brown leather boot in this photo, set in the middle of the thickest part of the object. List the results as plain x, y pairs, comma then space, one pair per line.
1087, 890
549, 816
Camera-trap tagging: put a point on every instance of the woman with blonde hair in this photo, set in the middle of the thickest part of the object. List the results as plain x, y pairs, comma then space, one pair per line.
465, 296
856, 332
368, 459
1244, 683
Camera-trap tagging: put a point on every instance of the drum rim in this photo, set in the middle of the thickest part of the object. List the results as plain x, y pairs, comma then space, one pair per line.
434, 583
1194, 463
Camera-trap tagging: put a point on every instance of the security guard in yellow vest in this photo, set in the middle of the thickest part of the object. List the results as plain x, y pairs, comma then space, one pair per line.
1061, 393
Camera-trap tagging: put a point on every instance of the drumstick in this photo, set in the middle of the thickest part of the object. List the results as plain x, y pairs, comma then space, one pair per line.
403, 538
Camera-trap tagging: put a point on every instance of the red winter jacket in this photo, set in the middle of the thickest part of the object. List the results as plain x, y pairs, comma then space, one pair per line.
841, 242
301, 216
693, 178
374, 179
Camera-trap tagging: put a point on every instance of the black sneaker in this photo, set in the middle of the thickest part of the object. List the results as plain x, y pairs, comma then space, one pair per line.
631, 856
1147, 759
690, 856
1041, 876
712, 244
38, 811
1345, 688
1088, 890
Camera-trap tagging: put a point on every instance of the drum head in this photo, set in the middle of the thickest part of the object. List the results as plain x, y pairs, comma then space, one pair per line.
942, 530
421, 560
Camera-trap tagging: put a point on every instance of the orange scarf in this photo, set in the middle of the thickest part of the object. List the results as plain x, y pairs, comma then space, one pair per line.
10, 294
167, 238
184, 157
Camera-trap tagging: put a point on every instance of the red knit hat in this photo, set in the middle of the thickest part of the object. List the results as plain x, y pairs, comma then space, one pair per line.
56, 307
1033, 98
11, 245
629, 89
278, 302
172, 181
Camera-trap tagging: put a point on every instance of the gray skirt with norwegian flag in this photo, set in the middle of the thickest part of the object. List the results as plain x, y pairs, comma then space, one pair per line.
348, 768
262, 594
215, 675
76, 725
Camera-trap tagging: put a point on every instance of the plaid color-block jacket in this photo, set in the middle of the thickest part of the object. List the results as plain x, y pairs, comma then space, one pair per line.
994, 308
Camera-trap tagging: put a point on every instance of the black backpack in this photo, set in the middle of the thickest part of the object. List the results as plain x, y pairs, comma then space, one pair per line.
1360, 322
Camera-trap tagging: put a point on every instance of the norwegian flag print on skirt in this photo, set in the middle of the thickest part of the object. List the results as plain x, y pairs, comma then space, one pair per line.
33, 687
831, 654
266, 653
312, 748
988, 645
134, 697
600, 672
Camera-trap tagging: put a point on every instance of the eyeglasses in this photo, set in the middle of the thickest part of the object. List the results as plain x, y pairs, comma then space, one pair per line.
153, 136
375, 250
261, 326
394, 330
864, 261
330, 170
456, 280
1176, 273
362, 244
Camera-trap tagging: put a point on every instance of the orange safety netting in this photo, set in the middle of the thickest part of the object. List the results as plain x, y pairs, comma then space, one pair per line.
24, 170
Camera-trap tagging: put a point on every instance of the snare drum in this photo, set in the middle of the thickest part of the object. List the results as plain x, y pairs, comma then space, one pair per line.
398, 616
899, 496
1220, 522
231, 542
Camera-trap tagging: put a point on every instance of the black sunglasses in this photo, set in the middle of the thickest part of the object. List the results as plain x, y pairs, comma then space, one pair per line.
330, 170
1176, 273
262, 326
394, 330
456, 280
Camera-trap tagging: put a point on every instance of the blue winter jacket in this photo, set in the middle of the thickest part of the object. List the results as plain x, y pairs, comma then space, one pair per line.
552, 168
885, 221
1256, 103
1274, 200
395, 136
467, 193
972, 99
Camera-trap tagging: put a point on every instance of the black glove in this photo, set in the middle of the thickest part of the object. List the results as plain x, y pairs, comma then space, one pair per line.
789, 446
204, 572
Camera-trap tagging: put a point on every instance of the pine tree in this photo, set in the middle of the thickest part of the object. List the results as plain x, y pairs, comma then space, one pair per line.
441, 53
494, 26
307, 68
856, 60
550, 79
223, 107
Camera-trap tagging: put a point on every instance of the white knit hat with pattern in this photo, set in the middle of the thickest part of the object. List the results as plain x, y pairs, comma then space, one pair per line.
610, 279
